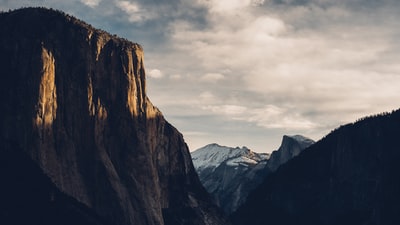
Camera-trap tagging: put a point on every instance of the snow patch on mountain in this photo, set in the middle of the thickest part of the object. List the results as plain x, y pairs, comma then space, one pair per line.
243, 161
212, 155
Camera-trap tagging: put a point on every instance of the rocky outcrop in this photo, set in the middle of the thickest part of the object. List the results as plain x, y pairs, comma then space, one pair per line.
291, 146
349, 177
74, 100
230, 174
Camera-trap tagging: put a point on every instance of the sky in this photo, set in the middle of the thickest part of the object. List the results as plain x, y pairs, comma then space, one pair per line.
247, 72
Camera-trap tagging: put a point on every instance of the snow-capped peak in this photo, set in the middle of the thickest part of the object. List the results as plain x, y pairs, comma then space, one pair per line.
212, 155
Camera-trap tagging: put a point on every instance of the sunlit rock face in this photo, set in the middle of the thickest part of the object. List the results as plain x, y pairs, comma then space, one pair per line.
74, 101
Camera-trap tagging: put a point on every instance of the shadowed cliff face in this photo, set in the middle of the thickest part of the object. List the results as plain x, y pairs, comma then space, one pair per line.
74, 100
291, 146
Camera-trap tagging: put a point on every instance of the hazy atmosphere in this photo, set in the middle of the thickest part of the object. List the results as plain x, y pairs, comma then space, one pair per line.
246, 72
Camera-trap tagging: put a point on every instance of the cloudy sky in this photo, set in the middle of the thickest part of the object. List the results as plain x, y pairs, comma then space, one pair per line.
246, 72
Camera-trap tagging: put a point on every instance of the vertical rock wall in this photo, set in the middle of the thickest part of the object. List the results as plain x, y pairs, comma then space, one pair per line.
74, 100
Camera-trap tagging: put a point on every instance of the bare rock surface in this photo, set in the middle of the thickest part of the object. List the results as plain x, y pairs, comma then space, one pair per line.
74, 100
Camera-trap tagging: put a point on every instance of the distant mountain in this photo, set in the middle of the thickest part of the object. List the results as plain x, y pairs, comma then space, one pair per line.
212, 156
352, 176
290, 147
227, 172
230, 174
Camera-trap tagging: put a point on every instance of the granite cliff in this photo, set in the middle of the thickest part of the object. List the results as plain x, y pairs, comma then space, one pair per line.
291, 146
74, 102
352, 176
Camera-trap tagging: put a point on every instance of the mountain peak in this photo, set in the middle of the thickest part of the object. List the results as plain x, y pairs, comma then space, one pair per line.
298, 137
212, 155
291, 146
222, 147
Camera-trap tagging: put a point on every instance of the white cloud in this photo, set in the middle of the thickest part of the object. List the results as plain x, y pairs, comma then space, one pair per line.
237, 42
225, 6
258, 2
226, 110
206, 98
155, 73
212, 77
274, 117
314, 67
91, 3
269, 116
264, 26
135, 12
129, 7
176, 77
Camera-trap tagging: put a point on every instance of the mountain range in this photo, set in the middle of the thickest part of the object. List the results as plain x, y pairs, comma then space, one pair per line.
230, 174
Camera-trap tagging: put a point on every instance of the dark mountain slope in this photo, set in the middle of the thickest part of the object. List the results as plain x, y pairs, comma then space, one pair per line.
29, 197
73, 100
352, 176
